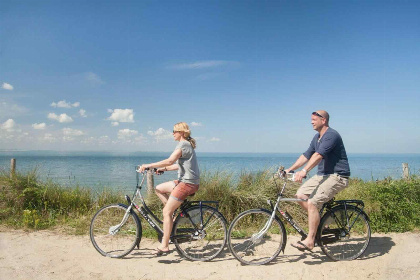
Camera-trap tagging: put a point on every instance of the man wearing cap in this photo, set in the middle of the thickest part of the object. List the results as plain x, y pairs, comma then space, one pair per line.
327, 151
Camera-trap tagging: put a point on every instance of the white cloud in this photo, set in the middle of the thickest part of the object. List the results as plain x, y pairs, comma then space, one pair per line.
121, 115
214, 139
39, 125
64, 104
160, 134
63, 118
8, 125
93, 78
126, 133
82, 113
201, 64
115, 124
7, 86
49, 137
196, 124
72, 132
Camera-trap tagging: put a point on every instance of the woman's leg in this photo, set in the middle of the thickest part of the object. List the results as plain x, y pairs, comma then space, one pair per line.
170, 207
163, 191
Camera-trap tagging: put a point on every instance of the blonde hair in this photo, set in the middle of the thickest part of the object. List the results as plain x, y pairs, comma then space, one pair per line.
183, 127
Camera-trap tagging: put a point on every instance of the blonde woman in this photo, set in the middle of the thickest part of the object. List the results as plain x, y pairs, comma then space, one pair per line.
173, 193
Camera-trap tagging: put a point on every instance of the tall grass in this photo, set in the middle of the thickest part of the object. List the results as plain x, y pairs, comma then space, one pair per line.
27, 202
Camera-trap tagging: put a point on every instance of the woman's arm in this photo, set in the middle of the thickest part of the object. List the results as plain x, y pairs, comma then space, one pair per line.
168, 163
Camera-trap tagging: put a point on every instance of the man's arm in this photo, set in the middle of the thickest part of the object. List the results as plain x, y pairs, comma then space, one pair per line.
299, 162
313, 161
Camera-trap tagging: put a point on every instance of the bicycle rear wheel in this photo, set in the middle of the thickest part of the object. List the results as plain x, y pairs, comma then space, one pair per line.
114, 232
199, 239
344, 233
250, 243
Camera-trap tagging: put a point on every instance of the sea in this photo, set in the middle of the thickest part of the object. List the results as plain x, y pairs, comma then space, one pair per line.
99, 170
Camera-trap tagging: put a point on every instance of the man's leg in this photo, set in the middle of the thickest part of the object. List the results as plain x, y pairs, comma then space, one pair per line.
313, 222
309, 187
328, 187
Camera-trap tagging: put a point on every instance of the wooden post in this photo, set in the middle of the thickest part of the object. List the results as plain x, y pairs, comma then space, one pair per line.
12, 167
150, 182
406, 171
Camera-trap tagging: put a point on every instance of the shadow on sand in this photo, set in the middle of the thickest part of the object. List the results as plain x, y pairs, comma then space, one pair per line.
378, 246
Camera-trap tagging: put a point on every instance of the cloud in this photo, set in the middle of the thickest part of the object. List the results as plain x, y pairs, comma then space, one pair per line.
39, 125
7, 86
201, 64
126, 133
196, 124
160, 134
8, 125
121, 115
63, 118
64, 104
72, 132
93, 78
82, 113
49, 137
8, 110
214, 139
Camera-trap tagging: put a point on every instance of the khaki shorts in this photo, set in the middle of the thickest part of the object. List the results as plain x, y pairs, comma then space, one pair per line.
321, 189
182, 190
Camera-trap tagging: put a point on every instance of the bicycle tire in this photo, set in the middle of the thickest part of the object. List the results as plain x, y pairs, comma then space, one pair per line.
336, 240
205, 243
121, 242
244, 244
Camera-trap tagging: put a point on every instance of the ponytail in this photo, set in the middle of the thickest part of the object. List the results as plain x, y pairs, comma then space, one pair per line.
182, 126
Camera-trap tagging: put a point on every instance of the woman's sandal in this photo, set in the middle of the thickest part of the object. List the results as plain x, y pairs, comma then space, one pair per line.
159, 252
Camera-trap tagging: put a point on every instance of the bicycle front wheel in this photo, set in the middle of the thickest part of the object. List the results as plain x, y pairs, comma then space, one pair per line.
253, 240
199, 235
114, 232
344, 233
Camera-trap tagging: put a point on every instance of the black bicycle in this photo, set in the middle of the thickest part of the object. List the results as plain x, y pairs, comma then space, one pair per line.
199, 231
257, 236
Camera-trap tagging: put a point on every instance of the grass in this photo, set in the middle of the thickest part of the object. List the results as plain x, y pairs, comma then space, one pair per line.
26, 202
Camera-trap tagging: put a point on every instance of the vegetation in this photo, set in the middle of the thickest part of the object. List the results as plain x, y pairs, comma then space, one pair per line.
26, 202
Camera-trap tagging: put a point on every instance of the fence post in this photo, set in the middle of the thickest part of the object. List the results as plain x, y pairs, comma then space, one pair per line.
12, 167
406, 171
150, 182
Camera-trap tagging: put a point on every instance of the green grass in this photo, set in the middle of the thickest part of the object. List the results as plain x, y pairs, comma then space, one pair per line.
26, 202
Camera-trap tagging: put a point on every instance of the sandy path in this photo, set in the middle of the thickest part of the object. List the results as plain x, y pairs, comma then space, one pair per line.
50, 255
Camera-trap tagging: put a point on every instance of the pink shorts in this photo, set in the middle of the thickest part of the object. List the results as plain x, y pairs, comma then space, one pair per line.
182, 190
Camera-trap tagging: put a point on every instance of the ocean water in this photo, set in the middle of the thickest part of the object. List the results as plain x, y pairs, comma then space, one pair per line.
101, 169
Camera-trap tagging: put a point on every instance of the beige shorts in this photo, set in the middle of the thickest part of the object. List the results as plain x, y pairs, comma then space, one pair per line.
321, 189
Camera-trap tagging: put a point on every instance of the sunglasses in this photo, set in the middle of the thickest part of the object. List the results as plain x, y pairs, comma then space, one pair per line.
175, 131
316, 114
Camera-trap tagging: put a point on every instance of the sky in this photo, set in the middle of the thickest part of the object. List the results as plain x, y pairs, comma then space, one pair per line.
245, 75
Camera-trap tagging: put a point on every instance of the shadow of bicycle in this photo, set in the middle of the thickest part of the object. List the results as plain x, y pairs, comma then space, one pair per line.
378, 246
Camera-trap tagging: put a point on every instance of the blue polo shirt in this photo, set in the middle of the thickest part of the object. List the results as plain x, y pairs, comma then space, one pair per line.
331, 148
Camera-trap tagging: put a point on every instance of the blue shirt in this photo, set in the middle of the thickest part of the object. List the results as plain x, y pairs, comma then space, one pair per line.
331, 148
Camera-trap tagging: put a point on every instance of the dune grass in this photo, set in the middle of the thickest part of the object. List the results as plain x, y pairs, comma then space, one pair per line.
26, 202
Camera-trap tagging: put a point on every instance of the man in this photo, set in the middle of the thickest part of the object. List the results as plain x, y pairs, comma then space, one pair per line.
327, 151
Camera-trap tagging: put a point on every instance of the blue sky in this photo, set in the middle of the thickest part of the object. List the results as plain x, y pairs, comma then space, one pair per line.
116, 75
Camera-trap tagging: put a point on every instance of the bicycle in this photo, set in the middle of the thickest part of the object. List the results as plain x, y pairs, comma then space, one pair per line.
257, 236
199, 231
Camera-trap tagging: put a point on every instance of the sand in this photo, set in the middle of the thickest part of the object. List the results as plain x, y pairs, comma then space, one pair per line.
53, 255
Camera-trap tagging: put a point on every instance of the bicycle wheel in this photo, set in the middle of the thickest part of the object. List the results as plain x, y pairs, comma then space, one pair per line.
250, 243
113, 233
344, 237
198, 241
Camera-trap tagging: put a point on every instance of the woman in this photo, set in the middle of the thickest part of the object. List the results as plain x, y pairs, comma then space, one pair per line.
173, 193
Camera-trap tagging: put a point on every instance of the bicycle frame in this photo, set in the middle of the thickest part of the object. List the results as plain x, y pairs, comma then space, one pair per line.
328, 206
154, 221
